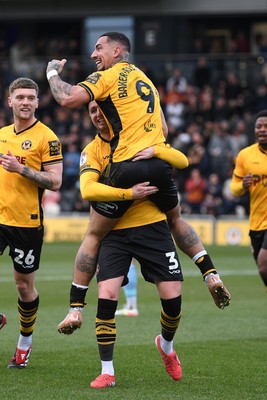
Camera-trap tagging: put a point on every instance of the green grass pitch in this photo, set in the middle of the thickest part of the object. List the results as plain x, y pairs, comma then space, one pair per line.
223, 353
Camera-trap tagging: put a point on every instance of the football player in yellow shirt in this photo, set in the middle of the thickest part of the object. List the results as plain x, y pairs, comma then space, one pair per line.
250, 175
30, 162
131, 106
151, 244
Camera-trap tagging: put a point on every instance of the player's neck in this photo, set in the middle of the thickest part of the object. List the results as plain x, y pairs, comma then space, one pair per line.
105, 136
263, 147
22, 124
121, 58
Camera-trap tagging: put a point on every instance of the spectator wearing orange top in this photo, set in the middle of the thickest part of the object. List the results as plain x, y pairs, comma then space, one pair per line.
195, 188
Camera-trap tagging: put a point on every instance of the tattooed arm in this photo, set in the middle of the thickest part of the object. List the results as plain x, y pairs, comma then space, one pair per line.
50, 178
66, 95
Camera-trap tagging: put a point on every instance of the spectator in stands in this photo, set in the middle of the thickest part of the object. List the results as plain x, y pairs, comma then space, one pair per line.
205, 109
20, 55
176, 83
191, 103
234, 92
174, 113
62, 121
214, 186
220, 149
211, 205
71, 165
195, 189
221, 109
260, 100
51, 203
238, 137
202, 73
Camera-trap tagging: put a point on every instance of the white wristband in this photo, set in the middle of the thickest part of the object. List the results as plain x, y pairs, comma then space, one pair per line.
51, 73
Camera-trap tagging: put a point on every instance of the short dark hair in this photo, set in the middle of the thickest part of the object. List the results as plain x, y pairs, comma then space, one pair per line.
23, 83
119, 37
262, 113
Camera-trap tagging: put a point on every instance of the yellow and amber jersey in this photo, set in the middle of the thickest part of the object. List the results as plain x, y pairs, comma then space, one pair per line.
94, 159
142, 212
131, 106
253, 160
20, 199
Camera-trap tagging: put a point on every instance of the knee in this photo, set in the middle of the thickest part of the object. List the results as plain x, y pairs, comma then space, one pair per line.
110, 289
262, 260
23, 287
262, 266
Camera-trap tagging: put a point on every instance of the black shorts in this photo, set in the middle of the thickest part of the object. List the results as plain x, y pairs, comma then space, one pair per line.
127, 174
25, 246
258, 241
151, 245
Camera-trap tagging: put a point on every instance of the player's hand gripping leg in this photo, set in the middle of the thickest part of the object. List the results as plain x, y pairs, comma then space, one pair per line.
220, 294
72, 321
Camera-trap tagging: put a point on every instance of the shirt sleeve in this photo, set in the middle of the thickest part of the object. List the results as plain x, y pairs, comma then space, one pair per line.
236, 185
174, 157
92, 190
50, 147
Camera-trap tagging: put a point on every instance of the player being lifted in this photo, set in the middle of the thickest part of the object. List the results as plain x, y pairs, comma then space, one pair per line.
131, 106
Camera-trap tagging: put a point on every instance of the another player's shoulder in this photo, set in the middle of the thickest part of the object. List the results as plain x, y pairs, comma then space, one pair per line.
45, 131
44, 127
7, 129
90, 146
246, 151
96, 145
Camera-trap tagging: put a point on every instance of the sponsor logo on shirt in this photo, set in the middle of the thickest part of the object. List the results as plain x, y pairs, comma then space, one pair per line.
108, 208
54, 148
93, 78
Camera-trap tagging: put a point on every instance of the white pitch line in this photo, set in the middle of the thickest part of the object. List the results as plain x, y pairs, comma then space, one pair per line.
63, 278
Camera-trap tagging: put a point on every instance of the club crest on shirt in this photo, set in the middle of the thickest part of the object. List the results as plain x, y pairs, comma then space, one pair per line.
26, 145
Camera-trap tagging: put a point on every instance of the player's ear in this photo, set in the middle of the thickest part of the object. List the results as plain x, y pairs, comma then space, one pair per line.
117, 51
9, 102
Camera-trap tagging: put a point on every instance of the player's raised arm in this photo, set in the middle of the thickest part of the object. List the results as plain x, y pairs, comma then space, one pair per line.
66, 95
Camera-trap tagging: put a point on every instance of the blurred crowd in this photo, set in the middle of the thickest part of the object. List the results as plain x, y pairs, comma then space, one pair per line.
209, 113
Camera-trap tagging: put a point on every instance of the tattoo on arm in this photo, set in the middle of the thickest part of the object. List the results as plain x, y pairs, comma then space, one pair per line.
188, 239
59, 88
42, 179
86, 264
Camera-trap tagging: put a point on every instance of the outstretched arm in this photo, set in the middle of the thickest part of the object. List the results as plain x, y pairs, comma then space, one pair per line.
92, 190
165, 152
66, 95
